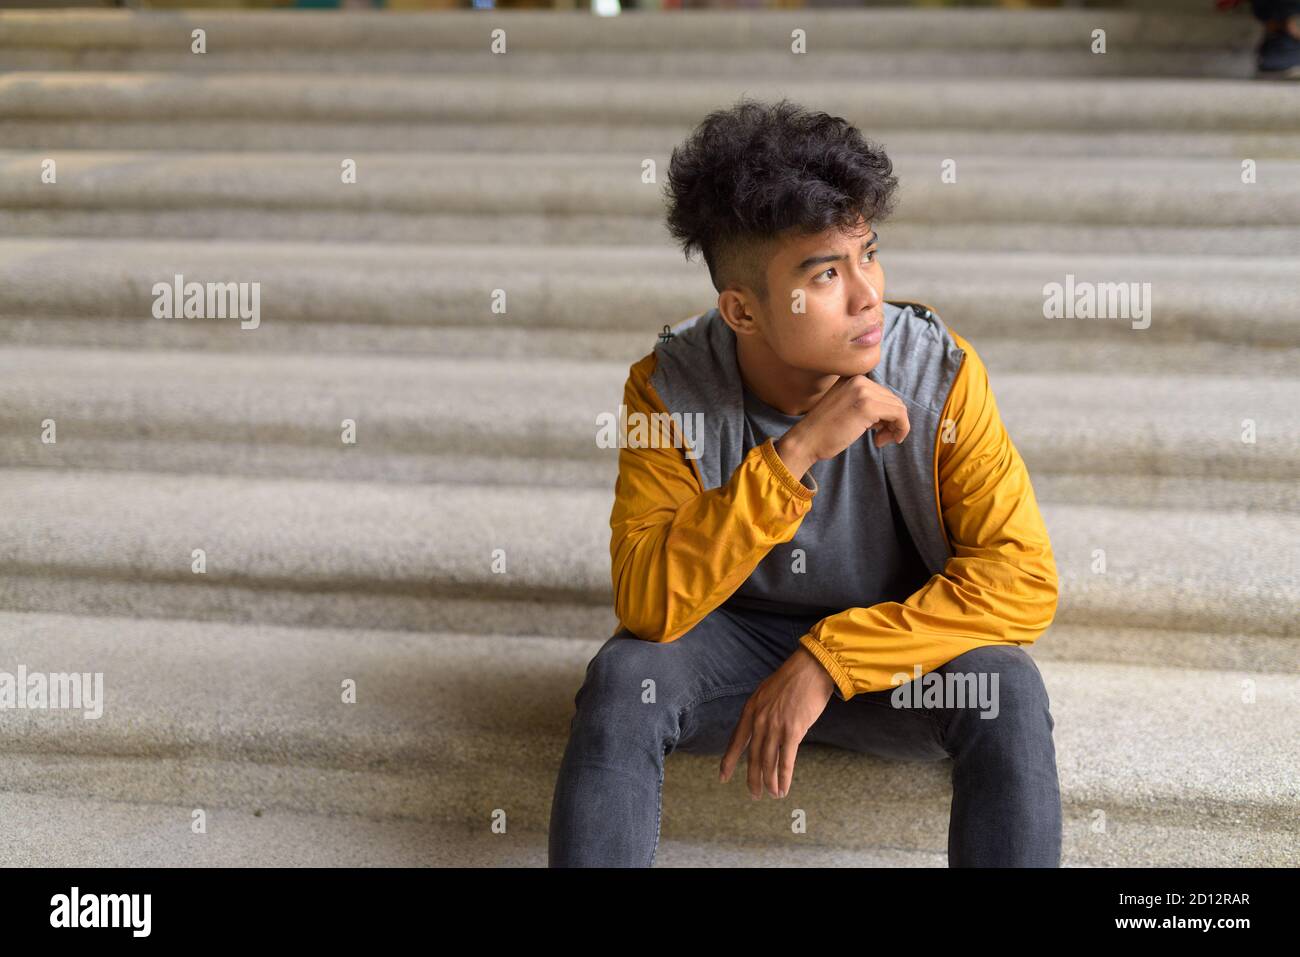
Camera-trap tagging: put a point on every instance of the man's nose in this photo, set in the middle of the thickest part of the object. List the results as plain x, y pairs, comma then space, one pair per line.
867, 293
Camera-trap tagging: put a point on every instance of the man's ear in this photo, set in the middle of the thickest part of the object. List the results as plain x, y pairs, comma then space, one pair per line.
734, 309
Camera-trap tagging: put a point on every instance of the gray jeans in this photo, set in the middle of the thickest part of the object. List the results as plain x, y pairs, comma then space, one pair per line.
1006, 803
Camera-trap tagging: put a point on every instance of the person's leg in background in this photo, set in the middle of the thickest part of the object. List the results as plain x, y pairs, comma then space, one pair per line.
606, 808
1278, 55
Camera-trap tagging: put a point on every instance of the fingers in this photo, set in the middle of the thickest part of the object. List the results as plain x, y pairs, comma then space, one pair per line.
899, 424
739, 738
896, 425
886, 434
887, 409
771, 751
764, 763
754, 765
887, 431
789, 748
769, 758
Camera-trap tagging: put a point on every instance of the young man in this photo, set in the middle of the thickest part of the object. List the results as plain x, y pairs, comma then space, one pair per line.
825, 507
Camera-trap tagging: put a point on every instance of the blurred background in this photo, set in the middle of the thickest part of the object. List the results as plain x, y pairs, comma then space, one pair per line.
613, 5
394, 483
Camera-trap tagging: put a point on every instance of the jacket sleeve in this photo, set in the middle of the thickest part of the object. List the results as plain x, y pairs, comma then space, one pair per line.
677, 551
1000, 585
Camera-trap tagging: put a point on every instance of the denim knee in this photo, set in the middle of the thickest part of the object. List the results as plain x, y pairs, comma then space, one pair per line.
1019, 696
630, 687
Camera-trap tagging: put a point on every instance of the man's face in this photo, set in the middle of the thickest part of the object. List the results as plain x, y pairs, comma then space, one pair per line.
837, 282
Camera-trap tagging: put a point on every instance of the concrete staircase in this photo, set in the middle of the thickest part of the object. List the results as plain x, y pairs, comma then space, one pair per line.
1174, 676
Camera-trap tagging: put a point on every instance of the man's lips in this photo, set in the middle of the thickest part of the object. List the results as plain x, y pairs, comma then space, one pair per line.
870, 336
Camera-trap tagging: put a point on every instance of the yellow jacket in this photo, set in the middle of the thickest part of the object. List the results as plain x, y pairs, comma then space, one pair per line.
678, 551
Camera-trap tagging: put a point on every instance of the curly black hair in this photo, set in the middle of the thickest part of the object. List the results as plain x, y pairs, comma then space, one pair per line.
756, 170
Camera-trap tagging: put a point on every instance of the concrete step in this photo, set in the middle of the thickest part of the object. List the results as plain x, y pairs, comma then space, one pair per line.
497, 421
575, 289
91, 832
422, 556
647, 138
250, 718
841, 43
1099, 105
1004, 354
276, 33
567, 136
1194, 205
1074, 61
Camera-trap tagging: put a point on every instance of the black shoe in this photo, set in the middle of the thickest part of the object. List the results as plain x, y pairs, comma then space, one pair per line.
1278, 57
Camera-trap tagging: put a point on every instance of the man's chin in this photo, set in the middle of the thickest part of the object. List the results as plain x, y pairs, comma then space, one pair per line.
864, 361
860, 362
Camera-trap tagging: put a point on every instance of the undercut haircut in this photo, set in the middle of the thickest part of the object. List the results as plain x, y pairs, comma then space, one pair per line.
749, 176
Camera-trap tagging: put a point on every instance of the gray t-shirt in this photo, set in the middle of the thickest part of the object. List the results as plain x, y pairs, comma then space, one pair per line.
857, 550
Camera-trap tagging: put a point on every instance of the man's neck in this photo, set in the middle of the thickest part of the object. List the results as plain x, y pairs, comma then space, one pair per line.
783, 387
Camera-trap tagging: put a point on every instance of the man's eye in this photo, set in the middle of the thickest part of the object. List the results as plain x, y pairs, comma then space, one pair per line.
870, 258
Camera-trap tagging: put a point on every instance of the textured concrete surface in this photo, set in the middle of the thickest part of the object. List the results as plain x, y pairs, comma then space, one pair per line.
645, 138
88, 832
1098, 104
302, 543
268, 194
1244, 300
191, 697
1062, 423
711, 30
1073, 60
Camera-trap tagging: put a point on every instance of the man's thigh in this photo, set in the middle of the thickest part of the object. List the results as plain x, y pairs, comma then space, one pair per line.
726, 655
754, 645
869, 723
918, 723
